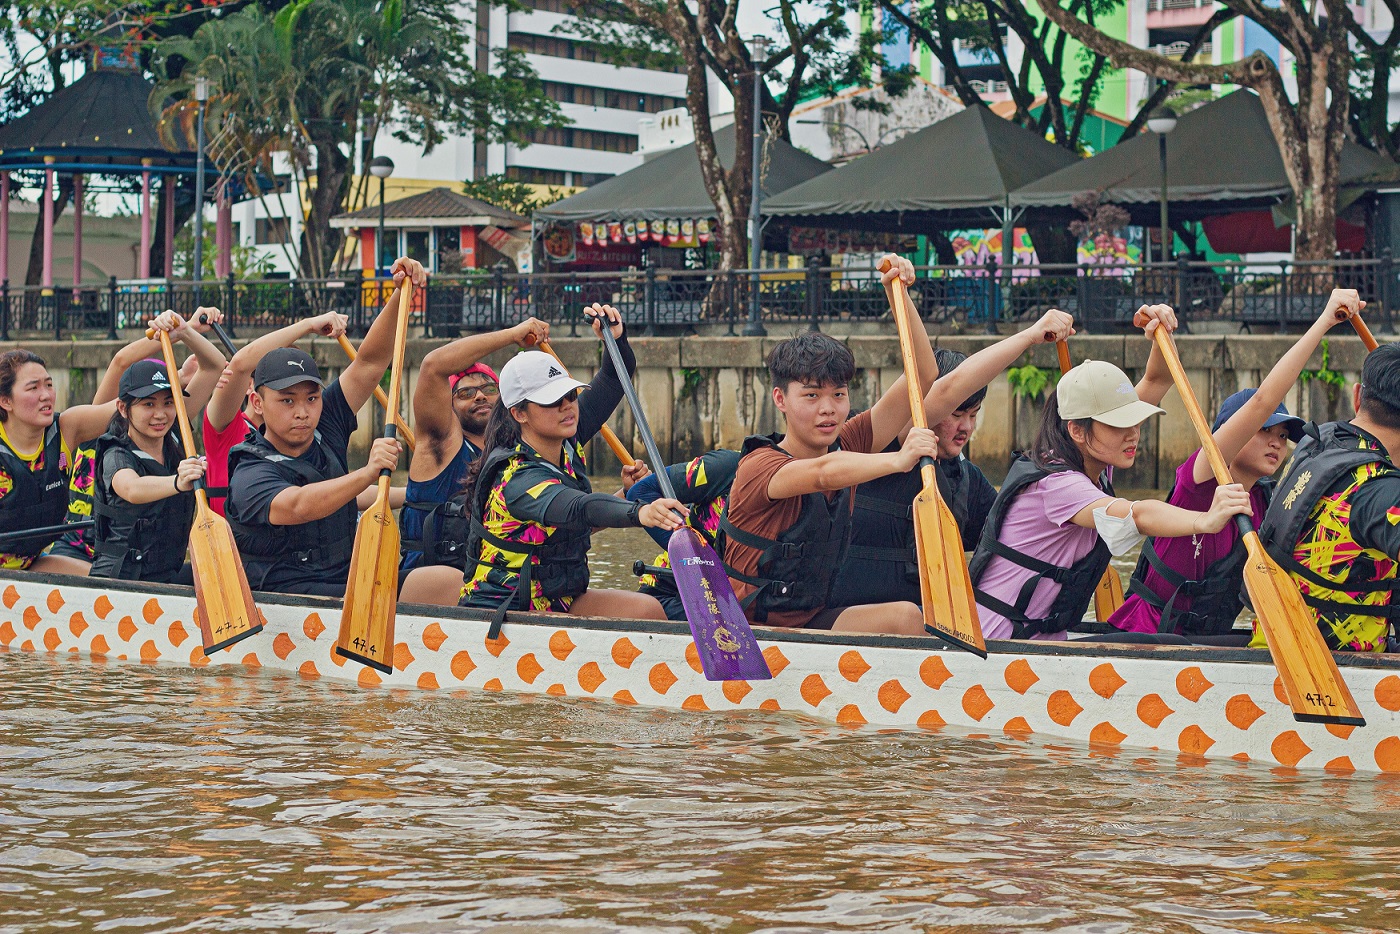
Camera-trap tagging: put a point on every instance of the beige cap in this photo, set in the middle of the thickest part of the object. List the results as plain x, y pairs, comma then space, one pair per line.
1101, 391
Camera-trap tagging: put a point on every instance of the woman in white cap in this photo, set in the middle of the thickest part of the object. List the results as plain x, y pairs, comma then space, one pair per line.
1056, 521
532, 508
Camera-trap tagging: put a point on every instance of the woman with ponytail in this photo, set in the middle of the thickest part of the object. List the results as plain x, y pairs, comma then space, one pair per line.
532, 508
1056, 521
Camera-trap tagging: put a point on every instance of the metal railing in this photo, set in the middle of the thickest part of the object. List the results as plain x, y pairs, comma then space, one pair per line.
1101, 297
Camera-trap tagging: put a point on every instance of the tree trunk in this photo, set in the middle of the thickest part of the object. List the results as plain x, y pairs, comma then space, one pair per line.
320, 243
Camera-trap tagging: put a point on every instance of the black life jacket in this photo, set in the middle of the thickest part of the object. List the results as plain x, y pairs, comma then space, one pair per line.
797, 570
893, 495
320, 547
140, 541
446, 525
1077, 582
1215, 597
559, 563
36, 498
1327, 454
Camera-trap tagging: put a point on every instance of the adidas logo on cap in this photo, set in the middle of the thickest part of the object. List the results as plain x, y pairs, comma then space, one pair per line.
555, 371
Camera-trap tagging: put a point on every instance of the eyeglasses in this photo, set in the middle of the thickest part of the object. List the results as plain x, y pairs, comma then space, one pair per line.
489, 390
570, 396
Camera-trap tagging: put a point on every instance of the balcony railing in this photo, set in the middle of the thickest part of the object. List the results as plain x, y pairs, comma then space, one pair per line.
1178, 49
1161, 6
1102, 298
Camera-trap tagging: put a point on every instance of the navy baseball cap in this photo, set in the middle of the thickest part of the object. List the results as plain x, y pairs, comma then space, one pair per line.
285, 367
1280, 417
143, 379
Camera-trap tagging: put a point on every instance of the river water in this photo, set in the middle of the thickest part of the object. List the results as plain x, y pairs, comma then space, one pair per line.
148, 798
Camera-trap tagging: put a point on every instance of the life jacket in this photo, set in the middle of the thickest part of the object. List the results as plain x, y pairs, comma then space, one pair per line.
559, 563
80, 489
144, 541
316, 548
442, 531
1215, 599
797, 570
1352, 589
36, 498
894, 495
1077, 582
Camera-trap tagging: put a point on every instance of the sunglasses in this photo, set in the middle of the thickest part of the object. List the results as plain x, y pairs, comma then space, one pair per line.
570, 396
490, 391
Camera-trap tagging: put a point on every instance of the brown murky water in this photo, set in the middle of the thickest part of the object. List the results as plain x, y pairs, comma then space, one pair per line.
147, 798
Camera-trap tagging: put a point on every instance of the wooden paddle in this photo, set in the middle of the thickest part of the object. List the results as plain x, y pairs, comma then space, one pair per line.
224, 606
950, 610
404, 431
613, 441
372, 590
46, 532
1362, 330
1108, 595
1314, 687
723, 638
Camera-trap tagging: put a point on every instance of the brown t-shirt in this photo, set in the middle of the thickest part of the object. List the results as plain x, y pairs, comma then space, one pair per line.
751, 509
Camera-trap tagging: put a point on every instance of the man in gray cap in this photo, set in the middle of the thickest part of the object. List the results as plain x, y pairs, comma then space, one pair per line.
291, 498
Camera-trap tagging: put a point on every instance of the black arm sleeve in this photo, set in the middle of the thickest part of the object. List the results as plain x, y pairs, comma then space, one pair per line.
596, 405
570, 508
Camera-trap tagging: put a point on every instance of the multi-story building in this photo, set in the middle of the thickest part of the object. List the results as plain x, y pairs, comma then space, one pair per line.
605, 103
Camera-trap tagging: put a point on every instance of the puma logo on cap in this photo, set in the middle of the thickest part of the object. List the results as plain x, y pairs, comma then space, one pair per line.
298, 364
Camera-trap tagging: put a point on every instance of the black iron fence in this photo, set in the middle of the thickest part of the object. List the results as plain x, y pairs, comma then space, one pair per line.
1102, 298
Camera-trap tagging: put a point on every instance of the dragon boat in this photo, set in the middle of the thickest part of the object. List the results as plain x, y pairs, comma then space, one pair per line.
1197, 702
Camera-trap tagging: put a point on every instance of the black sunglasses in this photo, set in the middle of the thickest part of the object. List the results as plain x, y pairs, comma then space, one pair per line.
489, 390
570, 396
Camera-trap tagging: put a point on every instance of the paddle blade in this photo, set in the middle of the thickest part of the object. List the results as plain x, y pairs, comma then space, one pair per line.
1311, 681
727, 647
372, 591
950, 611
224, 603
1108, 595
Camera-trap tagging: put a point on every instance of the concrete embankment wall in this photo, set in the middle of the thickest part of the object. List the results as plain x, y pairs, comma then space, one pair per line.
707, 392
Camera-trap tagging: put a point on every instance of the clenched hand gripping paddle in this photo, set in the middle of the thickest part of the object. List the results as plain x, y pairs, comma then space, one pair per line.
372, 590
224, 606
727, 647
1108, 595
950, 610
1311, 681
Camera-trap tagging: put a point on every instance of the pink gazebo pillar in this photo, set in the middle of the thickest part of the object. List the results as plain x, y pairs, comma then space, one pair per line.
47, 281
77, 234
169, 226
4, 226
143, 259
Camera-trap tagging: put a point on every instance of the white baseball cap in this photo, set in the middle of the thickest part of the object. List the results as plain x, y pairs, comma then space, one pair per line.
535, 376
1101, 391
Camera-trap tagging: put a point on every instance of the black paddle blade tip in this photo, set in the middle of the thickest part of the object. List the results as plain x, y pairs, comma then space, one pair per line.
955, 642
233, 640
1320, 718
370, 662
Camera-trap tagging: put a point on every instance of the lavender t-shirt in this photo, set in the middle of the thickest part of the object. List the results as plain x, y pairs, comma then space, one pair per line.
1038, 525
1181, 554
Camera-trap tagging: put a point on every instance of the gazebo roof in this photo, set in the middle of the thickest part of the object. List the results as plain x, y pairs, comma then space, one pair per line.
101, 122
443, 206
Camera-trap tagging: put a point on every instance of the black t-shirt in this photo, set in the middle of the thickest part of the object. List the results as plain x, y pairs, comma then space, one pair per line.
256, 482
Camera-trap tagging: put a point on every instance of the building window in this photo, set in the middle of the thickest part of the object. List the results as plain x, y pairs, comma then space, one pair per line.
588, 179
530, 176
598, 140
608, 97
564, 48
271, 231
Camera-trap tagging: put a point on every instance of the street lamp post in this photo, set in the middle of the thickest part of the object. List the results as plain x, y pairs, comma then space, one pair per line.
381, 167
201, 95
1162, 121
758, 49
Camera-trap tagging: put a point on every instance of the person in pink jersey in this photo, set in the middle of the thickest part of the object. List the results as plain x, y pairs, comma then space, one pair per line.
1190, 586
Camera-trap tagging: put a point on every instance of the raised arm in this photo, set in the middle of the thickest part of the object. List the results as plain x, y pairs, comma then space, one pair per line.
227, 400
890, 414
376, 351
596, 405
981, 368
1245, 423
841, 469
211, 364
433, 418
1156, 378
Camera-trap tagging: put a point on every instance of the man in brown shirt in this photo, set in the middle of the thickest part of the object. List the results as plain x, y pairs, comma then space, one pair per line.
787, 522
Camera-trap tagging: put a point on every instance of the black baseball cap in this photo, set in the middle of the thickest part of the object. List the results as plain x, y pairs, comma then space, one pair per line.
285, 367
143, 379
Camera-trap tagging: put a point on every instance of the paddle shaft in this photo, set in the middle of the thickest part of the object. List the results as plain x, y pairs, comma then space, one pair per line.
1364, 332
900, 294
390, 408
613, 441
391, 404
628, 390
186, 436
46, 530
